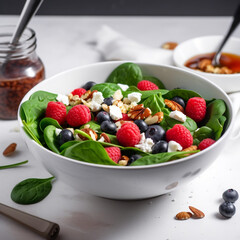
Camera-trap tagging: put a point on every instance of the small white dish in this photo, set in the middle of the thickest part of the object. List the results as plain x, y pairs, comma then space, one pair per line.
207, 44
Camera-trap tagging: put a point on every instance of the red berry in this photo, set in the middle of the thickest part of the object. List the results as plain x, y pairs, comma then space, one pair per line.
78, 115
145, 85
57, 111
114, 153
78, 91
125, 117
205, 143
129, 134
181, 135
196, 108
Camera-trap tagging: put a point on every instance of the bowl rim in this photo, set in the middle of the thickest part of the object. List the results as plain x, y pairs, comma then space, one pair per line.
181, 64
129, 168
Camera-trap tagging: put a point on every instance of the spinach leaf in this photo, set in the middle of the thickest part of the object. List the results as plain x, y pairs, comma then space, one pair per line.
31, 190
169, 122
202, 133
216, 118
155, 81
50, 138
88, 151
30, 133
13, 165
68, 144
127, 73
107, 89
160, 158
48, 121
155, 103
183, 93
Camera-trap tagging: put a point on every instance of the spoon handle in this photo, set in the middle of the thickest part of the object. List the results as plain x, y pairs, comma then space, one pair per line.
29, 9
42, 227
235, 22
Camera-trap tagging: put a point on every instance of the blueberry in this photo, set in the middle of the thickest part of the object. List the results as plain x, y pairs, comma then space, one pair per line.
227, 209
108, 101
230, 195
155, 132
141, 125
103, 116
159, 147
88, 85
179, 101
108, 127
133, 158
64, 136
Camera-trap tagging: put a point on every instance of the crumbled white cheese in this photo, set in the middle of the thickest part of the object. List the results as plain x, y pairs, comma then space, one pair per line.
124, 87
97, 97
115, 112
63, 98
174, 146
94, 106
178, 116
134, 97
57, 131
145, 144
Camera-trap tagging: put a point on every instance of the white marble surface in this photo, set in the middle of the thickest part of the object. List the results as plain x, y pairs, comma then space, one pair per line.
66, 42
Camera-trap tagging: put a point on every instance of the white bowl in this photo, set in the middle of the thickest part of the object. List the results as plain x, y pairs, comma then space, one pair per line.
130, 182
207, 44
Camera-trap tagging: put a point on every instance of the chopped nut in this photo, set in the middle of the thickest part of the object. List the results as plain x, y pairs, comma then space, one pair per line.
139, 112
123, 161
10, 149
105, 137
169, 45
156, 118
183, 215
105, 107
118, 95
191, 148
173, 105
197, 213
90, 132
126, 101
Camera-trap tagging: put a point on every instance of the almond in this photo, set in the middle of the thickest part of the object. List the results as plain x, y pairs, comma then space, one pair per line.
197, 213
10, 149
169, 45
183, 215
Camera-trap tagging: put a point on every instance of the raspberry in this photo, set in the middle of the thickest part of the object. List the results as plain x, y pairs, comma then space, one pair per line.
181, 135
145, 85
78, 91
196, 108
57, 111
205, 143
78, 115
114, 153
129, 134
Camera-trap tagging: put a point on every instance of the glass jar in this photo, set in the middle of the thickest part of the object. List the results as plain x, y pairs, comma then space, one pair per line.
20, 69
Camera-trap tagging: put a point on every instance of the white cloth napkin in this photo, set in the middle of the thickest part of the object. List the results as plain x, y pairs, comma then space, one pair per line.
115, 46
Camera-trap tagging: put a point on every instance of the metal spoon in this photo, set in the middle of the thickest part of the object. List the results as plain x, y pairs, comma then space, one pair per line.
29, 9
235, 22
42, 227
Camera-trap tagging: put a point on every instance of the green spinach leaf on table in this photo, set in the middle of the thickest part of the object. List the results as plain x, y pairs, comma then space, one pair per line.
127, 73
107, 89
31, 190
88, 151
160, 158
13, 165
